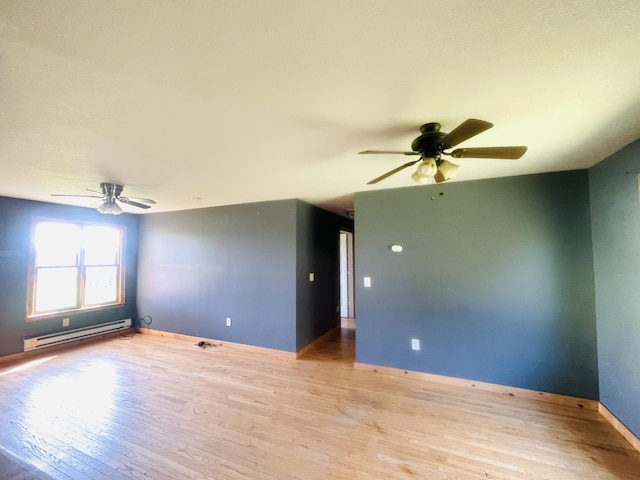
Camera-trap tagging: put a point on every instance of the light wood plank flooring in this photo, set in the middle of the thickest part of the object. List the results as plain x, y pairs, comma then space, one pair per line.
161, 408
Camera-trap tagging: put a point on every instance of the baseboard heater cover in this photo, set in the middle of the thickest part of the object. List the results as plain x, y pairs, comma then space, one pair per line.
33, 343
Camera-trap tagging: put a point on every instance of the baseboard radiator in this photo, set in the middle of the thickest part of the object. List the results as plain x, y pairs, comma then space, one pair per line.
33, 343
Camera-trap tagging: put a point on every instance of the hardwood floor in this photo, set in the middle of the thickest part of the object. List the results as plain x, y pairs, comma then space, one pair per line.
15, 468
162, 408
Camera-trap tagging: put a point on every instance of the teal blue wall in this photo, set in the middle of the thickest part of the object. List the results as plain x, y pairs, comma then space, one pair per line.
15, 231
248, 262
615, 206
198, 267
496, 280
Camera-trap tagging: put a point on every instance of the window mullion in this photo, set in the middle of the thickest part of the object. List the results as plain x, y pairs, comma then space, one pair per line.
81, 271
120, 267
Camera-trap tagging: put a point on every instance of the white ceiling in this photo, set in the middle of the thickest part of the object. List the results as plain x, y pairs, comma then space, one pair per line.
205, 103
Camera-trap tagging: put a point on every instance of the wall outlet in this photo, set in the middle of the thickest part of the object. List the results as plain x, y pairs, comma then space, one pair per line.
228, 321
65, 322
415, 344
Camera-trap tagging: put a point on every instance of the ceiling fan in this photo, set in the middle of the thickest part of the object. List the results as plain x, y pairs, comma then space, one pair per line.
110, 195
431, 145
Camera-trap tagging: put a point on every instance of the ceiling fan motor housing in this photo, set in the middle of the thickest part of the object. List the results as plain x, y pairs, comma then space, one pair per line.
428, 144
111, 190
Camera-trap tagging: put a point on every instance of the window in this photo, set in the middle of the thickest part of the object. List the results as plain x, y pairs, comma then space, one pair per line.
74, 266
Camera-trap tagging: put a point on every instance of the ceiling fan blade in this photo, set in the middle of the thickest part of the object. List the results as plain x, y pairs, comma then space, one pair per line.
85, 196
389, 152
510, 153
132, 203
467, 129
395, 170
93, 191
143, 200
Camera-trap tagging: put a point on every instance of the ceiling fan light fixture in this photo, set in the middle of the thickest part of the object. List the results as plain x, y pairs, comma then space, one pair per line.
425, 172
110, 208
111, 195
447, 169
419, 179
432, 143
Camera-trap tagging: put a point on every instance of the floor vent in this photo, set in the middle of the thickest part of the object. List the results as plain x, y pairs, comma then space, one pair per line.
33, 343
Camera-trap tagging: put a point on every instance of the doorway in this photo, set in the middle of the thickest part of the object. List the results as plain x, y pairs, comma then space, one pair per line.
347, 300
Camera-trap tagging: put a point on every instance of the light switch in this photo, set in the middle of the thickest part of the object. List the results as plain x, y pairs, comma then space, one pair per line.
367, 282
312, 277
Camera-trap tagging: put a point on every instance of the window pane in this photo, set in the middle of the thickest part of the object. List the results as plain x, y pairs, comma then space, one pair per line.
101, 285
57, 244
56, 288
101, 245
75, 266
